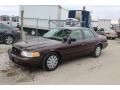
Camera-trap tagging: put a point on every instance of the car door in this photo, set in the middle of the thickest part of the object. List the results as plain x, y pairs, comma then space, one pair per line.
74, 48
3, 30
89, 41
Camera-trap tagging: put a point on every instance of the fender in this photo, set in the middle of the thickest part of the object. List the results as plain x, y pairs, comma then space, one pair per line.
60, 55
99, 43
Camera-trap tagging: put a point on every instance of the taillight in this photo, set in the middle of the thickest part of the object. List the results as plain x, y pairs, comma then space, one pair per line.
18, 30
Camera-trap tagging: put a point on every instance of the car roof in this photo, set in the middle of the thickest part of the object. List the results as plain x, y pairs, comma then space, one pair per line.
73, 28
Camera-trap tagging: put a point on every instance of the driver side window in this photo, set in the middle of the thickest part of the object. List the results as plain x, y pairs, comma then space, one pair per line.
0, 27
76, 34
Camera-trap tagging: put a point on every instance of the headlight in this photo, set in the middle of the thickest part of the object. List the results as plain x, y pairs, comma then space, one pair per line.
30, 54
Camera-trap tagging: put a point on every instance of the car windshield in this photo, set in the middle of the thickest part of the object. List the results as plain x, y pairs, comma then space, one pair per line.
57, 34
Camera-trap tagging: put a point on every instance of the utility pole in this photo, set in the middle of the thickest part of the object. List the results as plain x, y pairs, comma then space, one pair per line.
49, 23
119, 22
37, 27
22, 31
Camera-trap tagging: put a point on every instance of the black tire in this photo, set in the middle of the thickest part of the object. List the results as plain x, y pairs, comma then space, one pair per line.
46, 60
113, 38
9, 39
108, 37
97, 53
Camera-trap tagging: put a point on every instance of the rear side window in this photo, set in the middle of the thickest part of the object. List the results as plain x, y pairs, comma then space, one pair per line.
76, 34
88, 34
2, 26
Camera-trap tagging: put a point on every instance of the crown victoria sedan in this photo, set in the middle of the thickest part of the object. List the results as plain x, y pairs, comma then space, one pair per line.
57, 45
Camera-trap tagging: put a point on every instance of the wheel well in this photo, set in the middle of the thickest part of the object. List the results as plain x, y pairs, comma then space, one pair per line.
9, 35
58, 53
100, 44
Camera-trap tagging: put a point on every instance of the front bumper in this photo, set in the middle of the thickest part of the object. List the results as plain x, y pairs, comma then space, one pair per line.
23, 60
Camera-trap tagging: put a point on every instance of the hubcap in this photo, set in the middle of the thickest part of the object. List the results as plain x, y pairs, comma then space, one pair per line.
52, 62
98, 51
9, 40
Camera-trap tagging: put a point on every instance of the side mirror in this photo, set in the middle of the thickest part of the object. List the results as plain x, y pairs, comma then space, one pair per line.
71, 40
65, 39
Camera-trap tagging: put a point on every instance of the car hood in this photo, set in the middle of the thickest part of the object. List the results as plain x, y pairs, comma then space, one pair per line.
36, 43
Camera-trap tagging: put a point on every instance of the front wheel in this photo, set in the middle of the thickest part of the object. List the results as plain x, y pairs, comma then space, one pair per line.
51, 62
97, 51
9, 40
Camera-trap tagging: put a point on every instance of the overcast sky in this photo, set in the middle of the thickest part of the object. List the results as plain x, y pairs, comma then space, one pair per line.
9, 10
109, 12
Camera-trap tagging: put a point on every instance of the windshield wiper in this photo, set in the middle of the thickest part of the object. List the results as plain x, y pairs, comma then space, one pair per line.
54, 38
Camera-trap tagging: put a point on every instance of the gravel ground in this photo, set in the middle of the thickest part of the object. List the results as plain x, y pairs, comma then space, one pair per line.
85, 70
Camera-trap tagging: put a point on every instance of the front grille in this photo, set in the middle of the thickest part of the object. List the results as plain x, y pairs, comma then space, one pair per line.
16, 50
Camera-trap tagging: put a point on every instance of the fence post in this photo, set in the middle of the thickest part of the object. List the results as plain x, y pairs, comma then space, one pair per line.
119, 22
22, 32
10, 21
49, 23
37, 28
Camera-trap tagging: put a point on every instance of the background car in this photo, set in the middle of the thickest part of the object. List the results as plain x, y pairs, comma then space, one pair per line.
118, 32
109, 33
8, 34
58, 45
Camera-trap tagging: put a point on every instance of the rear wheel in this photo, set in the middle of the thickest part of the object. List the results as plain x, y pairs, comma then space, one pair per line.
51, 62
9, 39
97, 51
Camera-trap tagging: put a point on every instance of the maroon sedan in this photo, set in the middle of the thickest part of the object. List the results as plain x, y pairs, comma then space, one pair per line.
58, 45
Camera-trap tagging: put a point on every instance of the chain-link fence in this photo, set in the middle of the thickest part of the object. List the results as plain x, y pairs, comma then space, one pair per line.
37, 27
